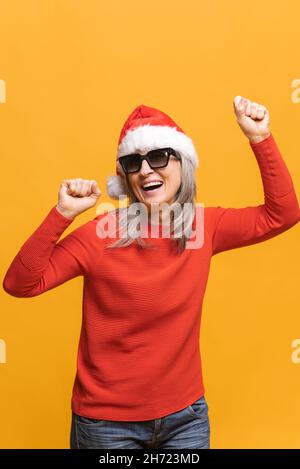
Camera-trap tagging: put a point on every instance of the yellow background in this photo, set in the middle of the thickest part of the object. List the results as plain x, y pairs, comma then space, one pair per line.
73, 71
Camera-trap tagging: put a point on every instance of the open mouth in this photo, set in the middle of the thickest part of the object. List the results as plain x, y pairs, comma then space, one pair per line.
152, 186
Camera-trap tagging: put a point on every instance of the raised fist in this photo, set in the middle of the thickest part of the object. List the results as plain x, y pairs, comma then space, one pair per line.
253, 118
77, 195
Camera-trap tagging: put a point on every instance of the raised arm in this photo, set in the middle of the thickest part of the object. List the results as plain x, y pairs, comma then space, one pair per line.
42, 263
237, 227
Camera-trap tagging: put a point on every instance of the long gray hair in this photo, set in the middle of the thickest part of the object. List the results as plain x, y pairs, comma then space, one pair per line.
186, 194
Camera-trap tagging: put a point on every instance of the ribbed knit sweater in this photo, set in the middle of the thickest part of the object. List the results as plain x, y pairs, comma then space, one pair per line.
139, 353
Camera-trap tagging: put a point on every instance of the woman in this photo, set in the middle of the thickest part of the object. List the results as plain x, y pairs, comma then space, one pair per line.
139, 378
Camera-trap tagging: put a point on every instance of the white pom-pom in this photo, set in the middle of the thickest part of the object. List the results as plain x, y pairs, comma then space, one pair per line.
115, 187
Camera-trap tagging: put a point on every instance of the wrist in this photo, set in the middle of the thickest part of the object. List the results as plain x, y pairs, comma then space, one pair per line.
65, 213
259, 138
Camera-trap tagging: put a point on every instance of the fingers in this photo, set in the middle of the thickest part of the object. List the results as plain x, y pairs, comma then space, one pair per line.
255, 110
73, 186
81, 187
249, 108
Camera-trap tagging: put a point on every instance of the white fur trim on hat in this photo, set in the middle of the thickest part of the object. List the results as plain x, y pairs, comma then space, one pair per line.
149, 137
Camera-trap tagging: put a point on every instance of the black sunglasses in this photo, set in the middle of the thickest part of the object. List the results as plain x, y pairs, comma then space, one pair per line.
158, 158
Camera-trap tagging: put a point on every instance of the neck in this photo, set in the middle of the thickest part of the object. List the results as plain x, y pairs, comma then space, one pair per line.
159, 216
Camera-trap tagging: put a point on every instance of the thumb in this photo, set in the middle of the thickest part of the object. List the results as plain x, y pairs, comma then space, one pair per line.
95, 189
239, 105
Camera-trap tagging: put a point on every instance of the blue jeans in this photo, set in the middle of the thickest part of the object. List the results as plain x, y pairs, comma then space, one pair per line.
187, 428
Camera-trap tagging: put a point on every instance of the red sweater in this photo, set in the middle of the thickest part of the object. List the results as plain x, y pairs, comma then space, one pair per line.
138, 355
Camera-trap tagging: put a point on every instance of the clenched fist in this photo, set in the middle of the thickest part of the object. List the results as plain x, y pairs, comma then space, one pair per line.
253, 118
77, 195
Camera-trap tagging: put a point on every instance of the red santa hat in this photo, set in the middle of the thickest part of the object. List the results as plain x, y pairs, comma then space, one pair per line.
146, 129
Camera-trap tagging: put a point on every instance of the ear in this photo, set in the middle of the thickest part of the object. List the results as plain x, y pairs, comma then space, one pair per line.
119, 170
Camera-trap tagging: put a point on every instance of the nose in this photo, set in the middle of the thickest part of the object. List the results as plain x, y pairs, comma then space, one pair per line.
145, 168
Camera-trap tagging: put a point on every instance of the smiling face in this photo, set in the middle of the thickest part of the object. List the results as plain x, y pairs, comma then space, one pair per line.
169, 176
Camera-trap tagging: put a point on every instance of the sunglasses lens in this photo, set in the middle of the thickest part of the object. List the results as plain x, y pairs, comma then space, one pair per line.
158, 158
131, 163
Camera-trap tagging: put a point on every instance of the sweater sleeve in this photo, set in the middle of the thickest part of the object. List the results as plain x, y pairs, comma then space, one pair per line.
42, 263
236, 227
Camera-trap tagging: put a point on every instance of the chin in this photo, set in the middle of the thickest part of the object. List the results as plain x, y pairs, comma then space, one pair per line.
157, 201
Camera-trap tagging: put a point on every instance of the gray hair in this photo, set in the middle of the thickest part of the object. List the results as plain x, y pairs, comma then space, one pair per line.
185, 194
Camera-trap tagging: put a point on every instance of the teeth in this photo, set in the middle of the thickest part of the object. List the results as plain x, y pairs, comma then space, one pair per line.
154, 183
